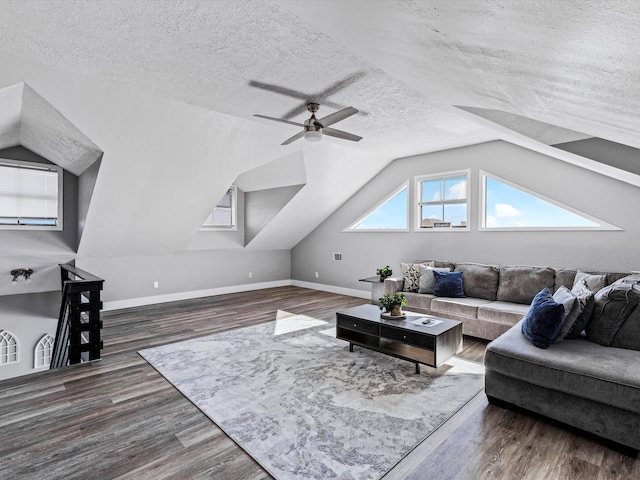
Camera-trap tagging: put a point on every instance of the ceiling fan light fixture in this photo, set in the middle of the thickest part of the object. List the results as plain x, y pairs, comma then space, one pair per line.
313, 136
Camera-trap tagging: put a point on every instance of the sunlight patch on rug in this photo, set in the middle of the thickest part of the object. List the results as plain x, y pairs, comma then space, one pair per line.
304, 407
288, 322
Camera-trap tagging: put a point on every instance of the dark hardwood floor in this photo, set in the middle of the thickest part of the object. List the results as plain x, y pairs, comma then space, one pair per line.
118, 418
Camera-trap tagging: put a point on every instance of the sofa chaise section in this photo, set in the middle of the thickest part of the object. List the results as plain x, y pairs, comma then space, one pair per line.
577, 382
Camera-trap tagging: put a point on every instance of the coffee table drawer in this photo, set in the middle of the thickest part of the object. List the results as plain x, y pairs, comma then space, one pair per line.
358, 325
406, 336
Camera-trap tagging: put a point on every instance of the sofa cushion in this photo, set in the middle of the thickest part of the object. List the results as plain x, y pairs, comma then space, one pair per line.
448, 284
502, 312
480, 281
438, 263
603, 374
571, 310
564, 277
457, 307
586, 303
411, 274
614, 304
419, 301
594, 282
543, 321
519, 284
427, 281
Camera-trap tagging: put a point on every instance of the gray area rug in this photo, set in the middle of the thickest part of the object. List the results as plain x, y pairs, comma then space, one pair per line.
304, 407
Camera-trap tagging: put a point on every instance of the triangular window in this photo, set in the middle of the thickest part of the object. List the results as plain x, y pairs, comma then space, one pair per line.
507, 206
390, 214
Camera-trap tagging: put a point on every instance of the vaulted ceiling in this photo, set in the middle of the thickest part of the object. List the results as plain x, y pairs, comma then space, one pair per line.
168, 90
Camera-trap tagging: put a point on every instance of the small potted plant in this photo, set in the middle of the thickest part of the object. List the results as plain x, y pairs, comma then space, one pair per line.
393, 304
384, 272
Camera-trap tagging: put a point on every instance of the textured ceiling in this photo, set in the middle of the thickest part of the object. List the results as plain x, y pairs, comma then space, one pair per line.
29, 120
131, 74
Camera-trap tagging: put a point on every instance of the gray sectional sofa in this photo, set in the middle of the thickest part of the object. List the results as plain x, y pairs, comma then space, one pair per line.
594, 387
496, 297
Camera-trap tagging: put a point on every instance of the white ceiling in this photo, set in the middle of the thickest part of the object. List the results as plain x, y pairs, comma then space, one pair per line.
168, 91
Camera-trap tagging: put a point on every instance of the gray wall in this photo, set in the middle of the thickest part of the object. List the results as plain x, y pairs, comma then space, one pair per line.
610, 153
363, 252
29, 317
133, 277
40, 250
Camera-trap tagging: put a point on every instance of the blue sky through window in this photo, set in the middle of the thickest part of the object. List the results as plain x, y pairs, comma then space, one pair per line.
390, 215
509, 207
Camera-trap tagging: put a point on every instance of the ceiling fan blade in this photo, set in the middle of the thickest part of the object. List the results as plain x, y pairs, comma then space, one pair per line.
294, 138
336, 117
281, 120
332, 132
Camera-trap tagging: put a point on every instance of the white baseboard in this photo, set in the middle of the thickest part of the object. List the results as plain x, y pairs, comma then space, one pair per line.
352, 292
172, 297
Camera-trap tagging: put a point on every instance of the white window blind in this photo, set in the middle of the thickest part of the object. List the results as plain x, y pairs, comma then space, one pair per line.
224, 213
28, 194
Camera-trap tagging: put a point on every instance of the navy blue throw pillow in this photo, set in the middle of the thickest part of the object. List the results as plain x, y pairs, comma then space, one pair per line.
543, 320
448, 284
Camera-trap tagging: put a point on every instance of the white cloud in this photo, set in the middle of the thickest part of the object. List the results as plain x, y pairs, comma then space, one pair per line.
505, 210
459, 190
492, 222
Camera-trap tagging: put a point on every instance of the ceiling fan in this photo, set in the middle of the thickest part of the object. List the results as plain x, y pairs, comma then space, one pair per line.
314, 128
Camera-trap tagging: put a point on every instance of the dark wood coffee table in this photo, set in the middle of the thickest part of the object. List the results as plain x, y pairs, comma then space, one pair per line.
429, 345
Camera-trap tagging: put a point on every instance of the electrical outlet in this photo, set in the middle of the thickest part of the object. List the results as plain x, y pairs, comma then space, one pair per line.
250, 274
317, 276
156, 284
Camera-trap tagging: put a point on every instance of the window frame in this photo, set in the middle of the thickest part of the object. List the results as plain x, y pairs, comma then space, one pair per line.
43, 352
60, 178
234, 214
482, 213
5, 342
393, 194
418, 203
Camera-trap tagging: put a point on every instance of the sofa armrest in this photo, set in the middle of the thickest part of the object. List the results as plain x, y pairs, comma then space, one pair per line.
393, 285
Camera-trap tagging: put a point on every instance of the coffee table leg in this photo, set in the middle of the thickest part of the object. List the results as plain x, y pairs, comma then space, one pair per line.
350, 347
417, 368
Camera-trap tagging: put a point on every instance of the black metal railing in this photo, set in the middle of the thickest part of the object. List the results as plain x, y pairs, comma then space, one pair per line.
79, 325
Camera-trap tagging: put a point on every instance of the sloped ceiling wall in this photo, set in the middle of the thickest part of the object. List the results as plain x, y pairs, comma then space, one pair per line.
29, 120
168, 91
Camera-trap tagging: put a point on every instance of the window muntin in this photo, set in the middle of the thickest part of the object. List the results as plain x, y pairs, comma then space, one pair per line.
43, 351
443, 201
390, 215
224, 215
8, 348
30, 195
507, 206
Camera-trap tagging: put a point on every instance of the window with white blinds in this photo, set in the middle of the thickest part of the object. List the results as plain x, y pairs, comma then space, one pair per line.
30, 194
223, 215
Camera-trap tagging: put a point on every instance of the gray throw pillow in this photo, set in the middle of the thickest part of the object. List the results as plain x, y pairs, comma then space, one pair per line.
571, 310
427, 281
594, 282
587, 302
614, 304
